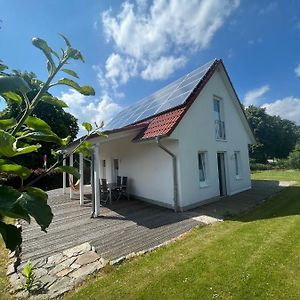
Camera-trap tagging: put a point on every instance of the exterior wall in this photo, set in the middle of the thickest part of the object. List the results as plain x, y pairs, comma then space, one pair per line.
148, 168
196, 132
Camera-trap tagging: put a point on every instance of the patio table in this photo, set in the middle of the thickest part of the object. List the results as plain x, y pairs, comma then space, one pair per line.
111, 186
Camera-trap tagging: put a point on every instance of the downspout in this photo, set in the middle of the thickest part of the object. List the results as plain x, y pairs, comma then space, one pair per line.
175, 177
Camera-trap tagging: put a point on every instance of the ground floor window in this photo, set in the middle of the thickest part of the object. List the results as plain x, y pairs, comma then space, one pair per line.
202, 166
237, 164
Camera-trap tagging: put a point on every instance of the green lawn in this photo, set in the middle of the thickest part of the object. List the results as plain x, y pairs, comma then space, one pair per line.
256, 256
289, 175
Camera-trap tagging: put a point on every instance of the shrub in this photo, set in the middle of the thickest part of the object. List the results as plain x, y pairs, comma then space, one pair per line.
294, 158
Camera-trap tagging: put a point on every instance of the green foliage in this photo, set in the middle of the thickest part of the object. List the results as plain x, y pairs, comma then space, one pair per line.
293, 160
276, 137
21, 128
68, 169
30, 277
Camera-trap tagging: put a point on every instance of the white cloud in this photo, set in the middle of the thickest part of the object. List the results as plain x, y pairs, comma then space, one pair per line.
120, 69
143, 34
162, 68
252, 97
287, 108
269, 8
297, 70
85, 109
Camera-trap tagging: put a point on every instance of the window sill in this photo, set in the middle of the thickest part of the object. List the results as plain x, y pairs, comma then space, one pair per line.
221, 140
238, 178
203, 185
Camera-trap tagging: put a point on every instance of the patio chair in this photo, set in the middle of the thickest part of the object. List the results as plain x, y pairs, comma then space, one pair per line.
123, 191
104, 192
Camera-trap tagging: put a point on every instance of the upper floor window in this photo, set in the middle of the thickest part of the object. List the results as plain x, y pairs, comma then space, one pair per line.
219, 120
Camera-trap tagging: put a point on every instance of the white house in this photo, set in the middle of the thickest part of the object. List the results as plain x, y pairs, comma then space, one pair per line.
183, 146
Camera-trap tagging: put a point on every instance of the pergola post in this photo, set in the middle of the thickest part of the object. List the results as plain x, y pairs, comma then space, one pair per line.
71, 176
81, 182
97, 180
64, 176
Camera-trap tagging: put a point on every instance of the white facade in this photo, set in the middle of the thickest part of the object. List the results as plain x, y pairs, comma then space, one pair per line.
149, 168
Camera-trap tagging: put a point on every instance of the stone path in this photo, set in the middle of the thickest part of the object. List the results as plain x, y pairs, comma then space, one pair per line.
76, 245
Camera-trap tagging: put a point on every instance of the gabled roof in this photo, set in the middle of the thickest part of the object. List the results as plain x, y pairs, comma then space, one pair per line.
164, 122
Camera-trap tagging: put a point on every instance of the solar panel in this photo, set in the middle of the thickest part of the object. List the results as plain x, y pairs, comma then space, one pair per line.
171, 96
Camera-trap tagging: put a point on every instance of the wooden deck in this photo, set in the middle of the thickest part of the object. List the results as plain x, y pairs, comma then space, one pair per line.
125, 226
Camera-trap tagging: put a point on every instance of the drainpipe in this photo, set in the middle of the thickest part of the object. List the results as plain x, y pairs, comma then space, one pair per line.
175, 177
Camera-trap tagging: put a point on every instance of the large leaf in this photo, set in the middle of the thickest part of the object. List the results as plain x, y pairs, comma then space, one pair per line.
2, 66
88, 126
9, 204
45, 137
11, 235
54, 101
84, 90
7, 144
27, 149
38, 124
32, 200
15, 169
42, 45
12, 96
13, 84
7, 123
70, 72
70, 170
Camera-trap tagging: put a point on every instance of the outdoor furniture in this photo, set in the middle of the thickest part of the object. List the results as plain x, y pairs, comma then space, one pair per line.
122, 191
105, 194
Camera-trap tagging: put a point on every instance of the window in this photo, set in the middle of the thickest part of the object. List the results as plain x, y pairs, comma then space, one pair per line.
237, 164
202, 166
219, 123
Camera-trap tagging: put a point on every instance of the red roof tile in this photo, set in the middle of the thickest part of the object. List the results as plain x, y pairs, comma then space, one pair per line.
160, 125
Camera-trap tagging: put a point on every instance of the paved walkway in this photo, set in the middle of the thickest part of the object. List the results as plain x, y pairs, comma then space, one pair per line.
127, 226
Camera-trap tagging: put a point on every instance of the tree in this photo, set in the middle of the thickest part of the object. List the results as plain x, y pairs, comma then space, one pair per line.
61, 122
20, 136
294, 158
276, 137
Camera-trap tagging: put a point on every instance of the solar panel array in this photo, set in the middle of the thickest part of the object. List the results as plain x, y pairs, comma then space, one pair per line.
174, 94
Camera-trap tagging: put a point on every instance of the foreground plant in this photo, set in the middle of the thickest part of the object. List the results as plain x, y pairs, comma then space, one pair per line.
20, 136
30, 277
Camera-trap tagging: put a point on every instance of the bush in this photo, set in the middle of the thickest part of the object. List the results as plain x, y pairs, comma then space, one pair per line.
293, 160
260, 167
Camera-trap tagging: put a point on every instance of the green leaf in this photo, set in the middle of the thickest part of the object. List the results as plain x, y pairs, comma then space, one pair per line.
70, 72
9, 204
70, 170
38, 124
7, 144
27, 149
7, 123
88, 126
2, 66
13, 97
42, 45
84, 90
45, 137
33, 202
55, 101
11, 235
66, 40
38, 193
87, 90
75, 54
16, 169
13, 84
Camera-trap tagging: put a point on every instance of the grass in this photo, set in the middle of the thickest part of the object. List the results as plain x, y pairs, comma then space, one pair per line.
288, 175
256, 256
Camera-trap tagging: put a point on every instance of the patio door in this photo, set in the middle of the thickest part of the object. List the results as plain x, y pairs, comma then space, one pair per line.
115, 169
222, 173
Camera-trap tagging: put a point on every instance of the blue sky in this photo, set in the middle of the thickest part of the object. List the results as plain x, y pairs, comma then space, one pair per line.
135, 47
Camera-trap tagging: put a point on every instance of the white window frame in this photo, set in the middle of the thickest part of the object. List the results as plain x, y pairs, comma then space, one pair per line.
220, 120
237, 164
204, 163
